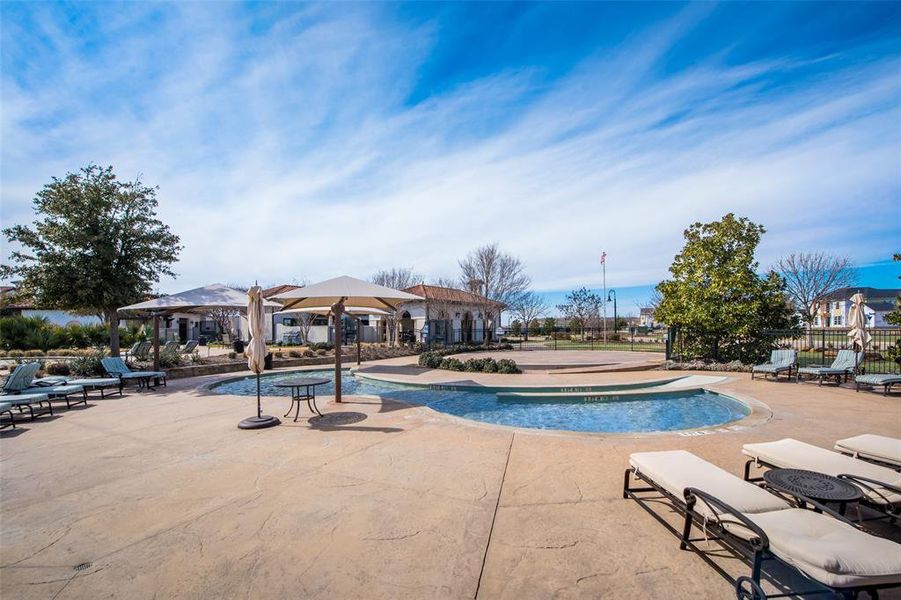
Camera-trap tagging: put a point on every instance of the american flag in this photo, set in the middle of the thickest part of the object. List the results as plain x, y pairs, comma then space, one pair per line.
603, 258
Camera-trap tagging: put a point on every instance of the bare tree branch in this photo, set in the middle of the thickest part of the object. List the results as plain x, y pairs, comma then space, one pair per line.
811, 277
398, 279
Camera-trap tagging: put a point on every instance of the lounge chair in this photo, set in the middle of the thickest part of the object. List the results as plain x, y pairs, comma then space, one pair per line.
873, 448
89, 384
172, 346
881, 486
844, 365
21, 381
760, 526
190, 347
116, 367
875, 380
15, 384
6, 409
781, 361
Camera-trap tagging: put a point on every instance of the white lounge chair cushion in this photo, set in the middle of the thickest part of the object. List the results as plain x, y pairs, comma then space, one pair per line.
878, 379
830, 551
676, 470
4, 406
792, 454
877, 447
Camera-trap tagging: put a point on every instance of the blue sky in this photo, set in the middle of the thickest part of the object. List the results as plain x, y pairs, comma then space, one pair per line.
421, 130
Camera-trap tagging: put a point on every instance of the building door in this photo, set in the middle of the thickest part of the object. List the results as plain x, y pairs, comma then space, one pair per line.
466, 328
182, 330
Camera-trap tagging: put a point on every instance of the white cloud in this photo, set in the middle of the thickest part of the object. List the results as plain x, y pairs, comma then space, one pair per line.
300, 141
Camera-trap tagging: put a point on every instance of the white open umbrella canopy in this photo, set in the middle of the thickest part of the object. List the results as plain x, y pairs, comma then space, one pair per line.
347, 290
338, 292
206, 297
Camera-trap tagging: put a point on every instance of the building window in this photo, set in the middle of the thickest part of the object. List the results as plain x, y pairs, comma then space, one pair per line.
289, 322
319, 320
837, 320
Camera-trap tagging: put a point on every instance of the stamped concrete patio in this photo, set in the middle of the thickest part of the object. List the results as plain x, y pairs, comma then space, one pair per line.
160, 495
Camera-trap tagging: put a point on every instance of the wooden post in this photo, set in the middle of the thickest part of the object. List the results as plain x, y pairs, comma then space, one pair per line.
156, 341
338, 312
359, 333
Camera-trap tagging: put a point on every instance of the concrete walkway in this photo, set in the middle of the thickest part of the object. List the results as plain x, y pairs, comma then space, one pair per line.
158, 494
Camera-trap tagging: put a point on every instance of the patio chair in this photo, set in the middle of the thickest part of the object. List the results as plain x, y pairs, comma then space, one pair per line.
190, 347
140, 351
781, 361
760, 526
172, 346
875, 380
54, 390
881, 486
12, 392
116, 367
6, 409
845, 364
89, 384
878, 449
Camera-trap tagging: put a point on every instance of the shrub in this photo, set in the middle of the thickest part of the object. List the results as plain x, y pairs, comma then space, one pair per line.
321, 346
307, 353
232, 355
295, 353
3, 354
321, 352
489, 366
58, 368
430, 360
474, 365
452, 364
505, 365
32, 353
16, 353
170, 358
88, 365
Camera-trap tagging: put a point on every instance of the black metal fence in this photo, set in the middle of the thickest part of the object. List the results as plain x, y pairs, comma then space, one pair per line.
632, 339
814, 347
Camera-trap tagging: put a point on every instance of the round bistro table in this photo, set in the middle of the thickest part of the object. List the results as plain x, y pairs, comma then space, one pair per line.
309, 394
816, 486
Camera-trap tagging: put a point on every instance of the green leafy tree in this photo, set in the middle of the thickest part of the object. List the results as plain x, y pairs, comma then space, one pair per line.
548, 325
715, 297
894, 317
97, 245
582, 308
516, 328
534, 327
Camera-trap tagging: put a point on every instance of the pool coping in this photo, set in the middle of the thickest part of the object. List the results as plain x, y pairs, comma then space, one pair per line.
760, 412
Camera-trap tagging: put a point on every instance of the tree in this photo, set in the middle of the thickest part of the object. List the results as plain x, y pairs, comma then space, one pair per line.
534, 327
527, 307
894, 317
715, 297
398, 279
499, 277
516, 328
809, 279
97, 245
548, 325
582, 308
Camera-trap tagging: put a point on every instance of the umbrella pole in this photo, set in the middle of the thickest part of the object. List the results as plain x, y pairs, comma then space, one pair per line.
359, 333
338, 311
156, 341
259, 408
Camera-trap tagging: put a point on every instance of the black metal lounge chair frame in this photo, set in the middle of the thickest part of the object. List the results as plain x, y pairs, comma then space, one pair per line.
865, 483
12, 419
754, 551
775, 373
30, 406
886, 387
69, 403
840, 378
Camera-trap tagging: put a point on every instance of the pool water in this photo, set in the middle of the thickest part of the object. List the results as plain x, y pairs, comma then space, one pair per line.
657, 411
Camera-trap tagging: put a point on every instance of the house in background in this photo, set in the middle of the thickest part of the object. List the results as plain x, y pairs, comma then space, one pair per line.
286, 327
11, 305
646, 318
878, 303
446, 315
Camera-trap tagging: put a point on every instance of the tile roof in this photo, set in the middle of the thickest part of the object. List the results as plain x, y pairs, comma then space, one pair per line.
278, 289
445, 294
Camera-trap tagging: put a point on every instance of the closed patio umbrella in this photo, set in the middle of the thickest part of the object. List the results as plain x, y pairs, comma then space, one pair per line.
336, 294
256, 355
857, 321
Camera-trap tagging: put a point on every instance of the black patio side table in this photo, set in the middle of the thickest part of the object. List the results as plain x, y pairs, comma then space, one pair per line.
309, 384
817, 486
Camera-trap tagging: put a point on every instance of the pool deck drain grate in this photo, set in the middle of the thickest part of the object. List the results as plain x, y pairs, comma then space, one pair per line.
82, 566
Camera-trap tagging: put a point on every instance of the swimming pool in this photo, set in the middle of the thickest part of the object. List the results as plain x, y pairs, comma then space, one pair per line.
600, 409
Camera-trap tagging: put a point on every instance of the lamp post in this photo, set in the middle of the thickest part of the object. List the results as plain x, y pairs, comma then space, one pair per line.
613, 294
